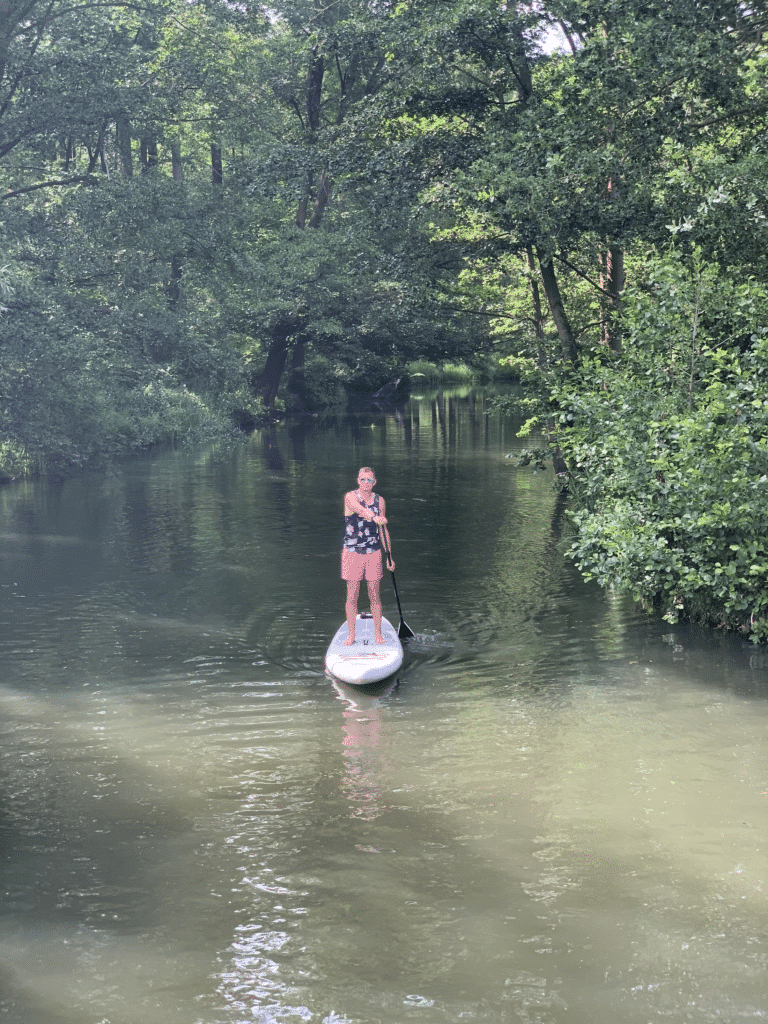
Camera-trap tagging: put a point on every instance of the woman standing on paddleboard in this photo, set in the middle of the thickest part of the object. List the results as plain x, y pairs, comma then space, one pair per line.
364, 516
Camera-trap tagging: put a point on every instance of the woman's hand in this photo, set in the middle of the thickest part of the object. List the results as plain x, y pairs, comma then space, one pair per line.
380, 520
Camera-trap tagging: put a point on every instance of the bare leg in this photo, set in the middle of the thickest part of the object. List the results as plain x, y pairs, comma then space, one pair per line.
375, 599
353, 589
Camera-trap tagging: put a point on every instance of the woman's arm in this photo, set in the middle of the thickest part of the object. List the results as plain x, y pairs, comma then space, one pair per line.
353, 506
381, 518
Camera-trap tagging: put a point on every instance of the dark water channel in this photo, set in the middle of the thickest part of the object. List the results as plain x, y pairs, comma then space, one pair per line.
557, 816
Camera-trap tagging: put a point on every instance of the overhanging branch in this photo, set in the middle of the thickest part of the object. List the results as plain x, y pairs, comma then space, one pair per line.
49, 184
581, 274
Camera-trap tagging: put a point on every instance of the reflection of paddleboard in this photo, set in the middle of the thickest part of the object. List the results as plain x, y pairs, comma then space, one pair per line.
364, 661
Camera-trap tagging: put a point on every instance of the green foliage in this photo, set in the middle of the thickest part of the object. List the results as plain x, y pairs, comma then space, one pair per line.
432, 374
324, 383
95, 360
667, 451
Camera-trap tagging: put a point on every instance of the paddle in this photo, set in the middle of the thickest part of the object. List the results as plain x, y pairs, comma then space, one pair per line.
404, 631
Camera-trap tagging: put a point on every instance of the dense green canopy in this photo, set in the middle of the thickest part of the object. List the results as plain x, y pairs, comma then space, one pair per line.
212, 211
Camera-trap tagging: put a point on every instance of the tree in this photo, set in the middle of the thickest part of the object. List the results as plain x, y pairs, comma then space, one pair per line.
564, 154
319, 73
68, 74
109, 340
667, 452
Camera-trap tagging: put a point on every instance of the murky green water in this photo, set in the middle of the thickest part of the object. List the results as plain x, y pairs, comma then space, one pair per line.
558, 815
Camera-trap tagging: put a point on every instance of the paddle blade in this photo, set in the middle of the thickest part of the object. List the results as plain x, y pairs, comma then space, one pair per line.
404, 631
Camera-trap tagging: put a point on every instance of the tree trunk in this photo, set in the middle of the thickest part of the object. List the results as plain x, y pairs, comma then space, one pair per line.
123, 139
315, 92
538, 317
613, 283
178, 167
269, 381
346, 84
372, 85
602, 277
217, 170
612, 280
321, 200
148, 155
96, 156
522, 70
314, 97
67, 151
174, 287
296, 376
301, 213
556, 308
615, 287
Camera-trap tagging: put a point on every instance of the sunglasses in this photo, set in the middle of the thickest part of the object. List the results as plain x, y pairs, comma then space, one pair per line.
366, 480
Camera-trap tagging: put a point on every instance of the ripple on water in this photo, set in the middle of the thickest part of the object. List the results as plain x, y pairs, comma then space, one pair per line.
557, 814
297, 643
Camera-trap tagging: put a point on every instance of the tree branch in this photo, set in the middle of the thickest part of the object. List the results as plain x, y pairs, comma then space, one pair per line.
91, 6
17, 81
726, 117
581, 274
480, 312
49, 184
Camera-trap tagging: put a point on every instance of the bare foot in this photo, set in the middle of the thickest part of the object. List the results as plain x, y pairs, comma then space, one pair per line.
380, 639
349, 641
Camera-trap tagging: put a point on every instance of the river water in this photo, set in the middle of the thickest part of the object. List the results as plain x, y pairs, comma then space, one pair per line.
556, 814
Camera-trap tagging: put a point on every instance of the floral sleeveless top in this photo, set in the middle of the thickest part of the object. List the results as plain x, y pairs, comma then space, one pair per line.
360, 535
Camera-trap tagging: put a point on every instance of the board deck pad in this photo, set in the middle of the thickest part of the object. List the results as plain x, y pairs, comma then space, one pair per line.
364, 661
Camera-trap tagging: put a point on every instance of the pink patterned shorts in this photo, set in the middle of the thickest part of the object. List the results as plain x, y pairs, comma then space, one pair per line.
356, 567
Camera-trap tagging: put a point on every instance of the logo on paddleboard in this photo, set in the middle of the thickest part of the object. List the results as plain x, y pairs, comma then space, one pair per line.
362, 657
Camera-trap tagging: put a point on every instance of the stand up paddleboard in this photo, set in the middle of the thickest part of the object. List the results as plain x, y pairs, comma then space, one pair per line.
364, 661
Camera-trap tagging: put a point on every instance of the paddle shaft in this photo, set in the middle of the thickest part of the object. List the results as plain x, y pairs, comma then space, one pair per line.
404, 631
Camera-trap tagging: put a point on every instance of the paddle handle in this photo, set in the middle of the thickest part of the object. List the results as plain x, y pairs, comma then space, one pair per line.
384, 545
387, 552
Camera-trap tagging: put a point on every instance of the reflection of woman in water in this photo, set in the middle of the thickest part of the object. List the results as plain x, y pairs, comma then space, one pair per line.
363, 783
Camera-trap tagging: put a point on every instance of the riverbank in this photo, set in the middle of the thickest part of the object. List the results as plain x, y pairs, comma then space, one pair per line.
69, 439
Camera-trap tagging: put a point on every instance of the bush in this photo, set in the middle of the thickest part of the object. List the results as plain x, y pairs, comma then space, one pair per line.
675, 510
667, 454
321, 383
